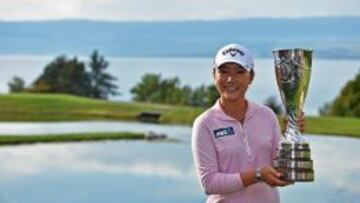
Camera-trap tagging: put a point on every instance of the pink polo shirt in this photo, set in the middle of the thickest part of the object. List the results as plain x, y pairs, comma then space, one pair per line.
222, 148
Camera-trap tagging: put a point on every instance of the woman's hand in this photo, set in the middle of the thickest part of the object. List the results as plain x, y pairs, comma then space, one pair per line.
272, 177
300, 122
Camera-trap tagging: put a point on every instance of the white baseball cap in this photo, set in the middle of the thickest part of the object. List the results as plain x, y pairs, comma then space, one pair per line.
234, 53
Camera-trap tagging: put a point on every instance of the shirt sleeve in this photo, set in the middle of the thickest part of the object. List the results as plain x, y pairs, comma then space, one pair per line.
207, 164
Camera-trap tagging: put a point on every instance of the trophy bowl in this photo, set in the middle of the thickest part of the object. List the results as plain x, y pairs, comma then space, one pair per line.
292, 72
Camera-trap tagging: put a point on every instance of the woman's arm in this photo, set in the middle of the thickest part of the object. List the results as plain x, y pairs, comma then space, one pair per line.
207, 164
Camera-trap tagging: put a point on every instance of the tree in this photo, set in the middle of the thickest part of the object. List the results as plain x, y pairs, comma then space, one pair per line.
199, 96
17, 84
70, 76
186, 95
170, 91
101, 82
152, 88
148, 89
273, 104
325, 110
347, 103
64, 76
212, 94
204, 96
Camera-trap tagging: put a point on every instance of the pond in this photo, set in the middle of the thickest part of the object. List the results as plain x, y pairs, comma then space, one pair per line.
142, 171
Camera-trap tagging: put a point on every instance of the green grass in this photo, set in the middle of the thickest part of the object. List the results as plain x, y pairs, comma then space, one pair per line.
58, 107
31, 139
333, 126
337, 126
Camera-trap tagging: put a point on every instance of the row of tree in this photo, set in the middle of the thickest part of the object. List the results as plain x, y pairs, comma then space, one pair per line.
72, 76
152, 88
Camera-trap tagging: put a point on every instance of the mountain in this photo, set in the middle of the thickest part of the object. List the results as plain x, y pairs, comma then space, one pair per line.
331, 37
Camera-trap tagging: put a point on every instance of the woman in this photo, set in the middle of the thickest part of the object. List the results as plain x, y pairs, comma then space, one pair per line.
235, 141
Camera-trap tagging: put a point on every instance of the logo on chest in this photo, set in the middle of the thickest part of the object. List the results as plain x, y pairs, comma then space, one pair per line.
222, 132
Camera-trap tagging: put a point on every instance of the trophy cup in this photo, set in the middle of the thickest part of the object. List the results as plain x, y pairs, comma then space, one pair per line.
293, 71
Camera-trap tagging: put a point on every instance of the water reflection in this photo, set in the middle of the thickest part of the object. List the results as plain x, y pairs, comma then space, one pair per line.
141, 158
337, 172
136, 168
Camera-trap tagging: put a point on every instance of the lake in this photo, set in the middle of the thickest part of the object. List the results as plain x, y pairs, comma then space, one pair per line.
143, 171
328, 76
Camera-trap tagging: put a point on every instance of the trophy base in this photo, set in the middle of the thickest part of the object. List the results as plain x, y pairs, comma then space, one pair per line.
294, 162
294, 175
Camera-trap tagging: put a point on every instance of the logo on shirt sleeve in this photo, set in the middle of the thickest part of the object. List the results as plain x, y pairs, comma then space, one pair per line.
222, 132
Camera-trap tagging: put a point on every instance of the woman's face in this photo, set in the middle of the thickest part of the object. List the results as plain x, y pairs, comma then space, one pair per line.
232, 81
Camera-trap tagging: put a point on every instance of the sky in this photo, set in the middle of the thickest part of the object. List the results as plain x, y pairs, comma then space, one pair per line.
172, 10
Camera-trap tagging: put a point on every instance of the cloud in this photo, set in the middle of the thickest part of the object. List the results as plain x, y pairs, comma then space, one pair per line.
130, 10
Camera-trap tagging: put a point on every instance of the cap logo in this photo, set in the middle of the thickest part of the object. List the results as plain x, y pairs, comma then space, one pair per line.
233, 51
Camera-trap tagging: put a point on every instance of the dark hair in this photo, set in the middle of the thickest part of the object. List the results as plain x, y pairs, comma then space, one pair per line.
252, 73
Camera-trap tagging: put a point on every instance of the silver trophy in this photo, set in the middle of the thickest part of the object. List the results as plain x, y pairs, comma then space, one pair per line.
293, 71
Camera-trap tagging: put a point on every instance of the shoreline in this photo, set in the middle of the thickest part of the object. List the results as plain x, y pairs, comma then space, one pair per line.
27, 107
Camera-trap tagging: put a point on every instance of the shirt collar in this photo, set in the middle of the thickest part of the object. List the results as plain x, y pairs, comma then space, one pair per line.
219, 112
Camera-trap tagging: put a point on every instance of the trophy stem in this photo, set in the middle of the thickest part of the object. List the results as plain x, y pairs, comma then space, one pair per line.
292, 133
